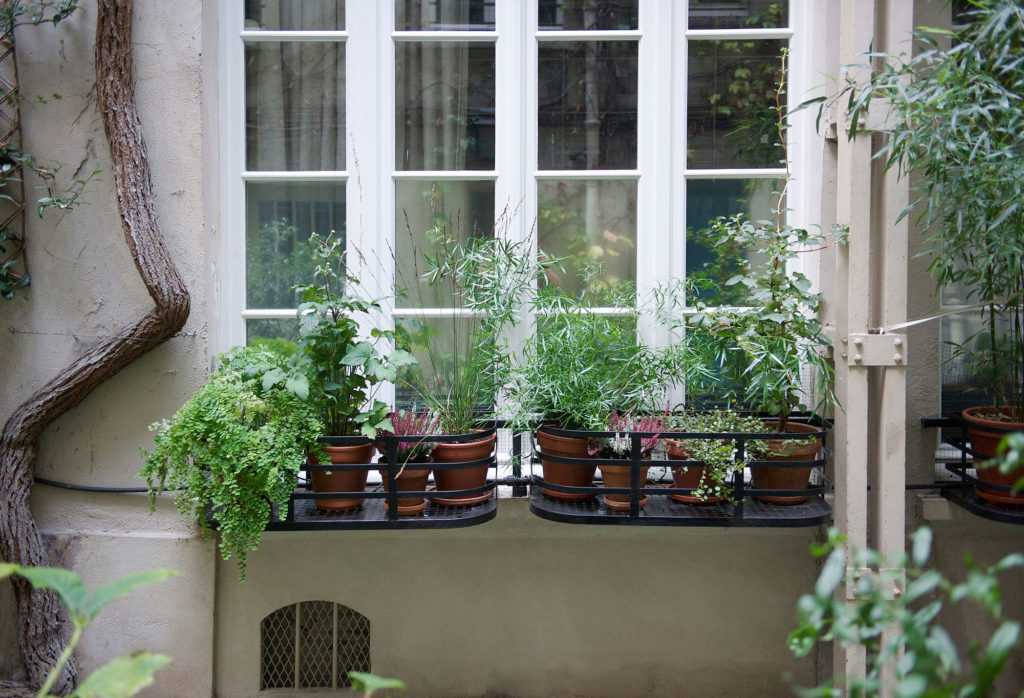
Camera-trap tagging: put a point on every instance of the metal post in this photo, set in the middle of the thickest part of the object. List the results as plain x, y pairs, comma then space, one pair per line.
634, 476
389, 474
738, 483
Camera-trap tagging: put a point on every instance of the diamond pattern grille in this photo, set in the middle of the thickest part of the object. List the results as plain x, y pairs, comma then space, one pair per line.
277, 649
313, 644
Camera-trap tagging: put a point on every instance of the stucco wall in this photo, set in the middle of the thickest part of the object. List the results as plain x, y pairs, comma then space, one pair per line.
85, 287
521, 606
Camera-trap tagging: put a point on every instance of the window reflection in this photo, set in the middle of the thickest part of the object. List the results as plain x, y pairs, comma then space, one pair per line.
587, 15
738, 14
295, 15
444, 15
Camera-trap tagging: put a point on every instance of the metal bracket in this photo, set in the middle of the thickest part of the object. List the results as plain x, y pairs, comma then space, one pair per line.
875, 350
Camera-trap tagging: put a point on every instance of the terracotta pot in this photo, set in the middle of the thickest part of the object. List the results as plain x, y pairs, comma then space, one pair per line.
787, 478
688, 476
985, 434
342, 480
463, 478
618, 476
409, 479
568, 474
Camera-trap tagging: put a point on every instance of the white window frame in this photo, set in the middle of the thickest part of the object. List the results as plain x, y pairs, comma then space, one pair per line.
370, 174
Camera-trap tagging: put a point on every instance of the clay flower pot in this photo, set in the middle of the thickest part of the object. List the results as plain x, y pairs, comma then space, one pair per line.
409, 479
688, 477
985, 434
568, 474
463, 478
787, 478
342, 480
618, 476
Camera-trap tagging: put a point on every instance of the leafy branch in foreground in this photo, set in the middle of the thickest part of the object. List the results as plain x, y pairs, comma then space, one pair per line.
121, 678
920, 652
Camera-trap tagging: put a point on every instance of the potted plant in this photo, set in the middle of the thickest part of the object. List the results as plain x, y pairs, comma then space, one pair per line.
620, 447
232, 453
955, 110
711, 476
409, 454
344, 372
463, 367
580, 366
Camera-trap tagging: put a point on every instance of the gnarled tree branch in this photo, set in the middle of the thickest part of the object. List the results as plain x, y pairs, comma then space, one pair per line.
39, 613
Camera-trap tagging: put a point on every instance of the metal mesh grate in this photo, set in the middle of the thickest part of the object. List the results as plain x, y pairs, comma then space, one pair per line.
353, 645
277, 649
313, 644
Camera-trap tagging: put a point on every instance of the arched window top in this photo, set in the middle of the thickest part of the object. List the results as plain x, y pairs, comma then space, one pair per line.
313, 644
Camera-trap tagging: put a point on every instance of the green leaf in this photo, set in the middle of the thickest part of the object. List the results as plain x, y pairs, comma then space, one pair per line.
7, 569
922, 546
371, 683
400, 358
98, 598
272, 378
831, 574
122, 677
912, 686
66, 583
298, 385
358, 354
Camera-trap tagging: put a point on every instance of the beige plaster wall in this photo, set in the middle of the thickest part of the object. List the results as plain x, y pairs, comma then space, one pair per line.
85, 287
521, 606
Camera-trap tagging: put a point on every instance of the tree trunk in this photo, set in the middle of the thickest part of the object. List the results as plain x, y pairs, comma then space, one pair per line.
41, 628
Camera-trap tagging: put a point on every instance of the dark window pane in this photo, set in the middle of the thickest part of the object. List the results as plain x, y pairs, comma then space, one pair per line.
444, 15
428, 217
444, 348
278, 335
592, 224
279, 219
575, 15
295, 106
738, 14
293, 15
731, 115
709, 262
587, 105
444, 106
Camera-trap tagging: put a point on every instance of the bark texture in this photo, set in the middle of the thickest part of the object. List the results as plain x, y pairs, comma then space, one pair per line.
41, 626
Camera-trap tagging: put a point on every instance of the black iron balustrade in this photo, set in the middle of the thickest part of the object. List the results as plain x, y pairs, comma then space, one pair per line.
742, 509
964, 490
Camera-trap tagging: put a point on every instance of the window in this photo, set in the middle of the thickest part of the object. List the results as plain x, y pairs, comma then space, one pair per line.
313, 644
607, 131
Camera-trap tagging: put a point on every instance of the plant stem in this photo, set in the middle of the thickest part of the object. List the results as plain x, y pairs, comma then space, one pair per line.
65, 657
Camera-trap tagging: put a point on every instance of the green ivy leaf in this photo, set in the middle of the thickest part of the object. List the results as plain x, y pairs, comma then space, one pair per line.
358, 355
272, 378
831, 574
98, 598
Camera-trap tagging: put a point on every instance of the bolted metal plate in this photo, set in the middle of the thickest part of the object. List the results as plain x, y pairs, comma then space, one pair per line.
876, 350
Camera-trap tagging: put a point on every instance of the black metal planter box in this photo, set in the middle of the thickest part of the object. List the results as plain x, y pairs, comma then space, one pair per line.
963, 491
662, 510
378, 504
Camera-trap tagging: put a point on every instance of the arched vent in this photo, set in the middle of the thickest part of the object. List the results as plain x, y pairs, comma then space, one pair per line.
313, 644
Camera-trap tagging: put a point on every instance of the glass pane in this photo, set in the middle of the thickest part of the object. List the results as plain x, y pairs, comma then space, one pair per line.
966, 361
575, 15
430, 217
444, 15
293, 15
738, 14
279, 218
444, 106
708, 263
587, 105
277, 335
442, 347
592, 224
731, 118
295, 106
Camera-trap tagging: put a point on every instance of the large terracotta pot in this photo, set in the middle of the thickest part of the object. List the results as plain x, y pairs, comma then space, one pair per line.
688, 477
568, 474
985, 434
618, 476
787, 478
342, 480
463, 478
409, 479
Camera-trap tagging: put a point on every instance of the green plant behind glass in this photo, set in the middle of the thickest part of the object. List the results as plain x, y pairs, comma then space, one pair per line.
463, 367
119, 678
921, 655
958, 115
759, 353
344, 369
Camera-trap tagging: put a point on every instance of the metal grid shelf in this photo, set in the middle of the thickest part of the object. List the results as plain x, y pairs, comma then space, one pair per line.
663, 511
372, 515
963, 493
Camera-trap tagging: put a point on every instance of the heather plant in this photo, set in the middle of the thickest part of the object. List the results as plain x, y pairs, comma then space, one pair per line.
621, 445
